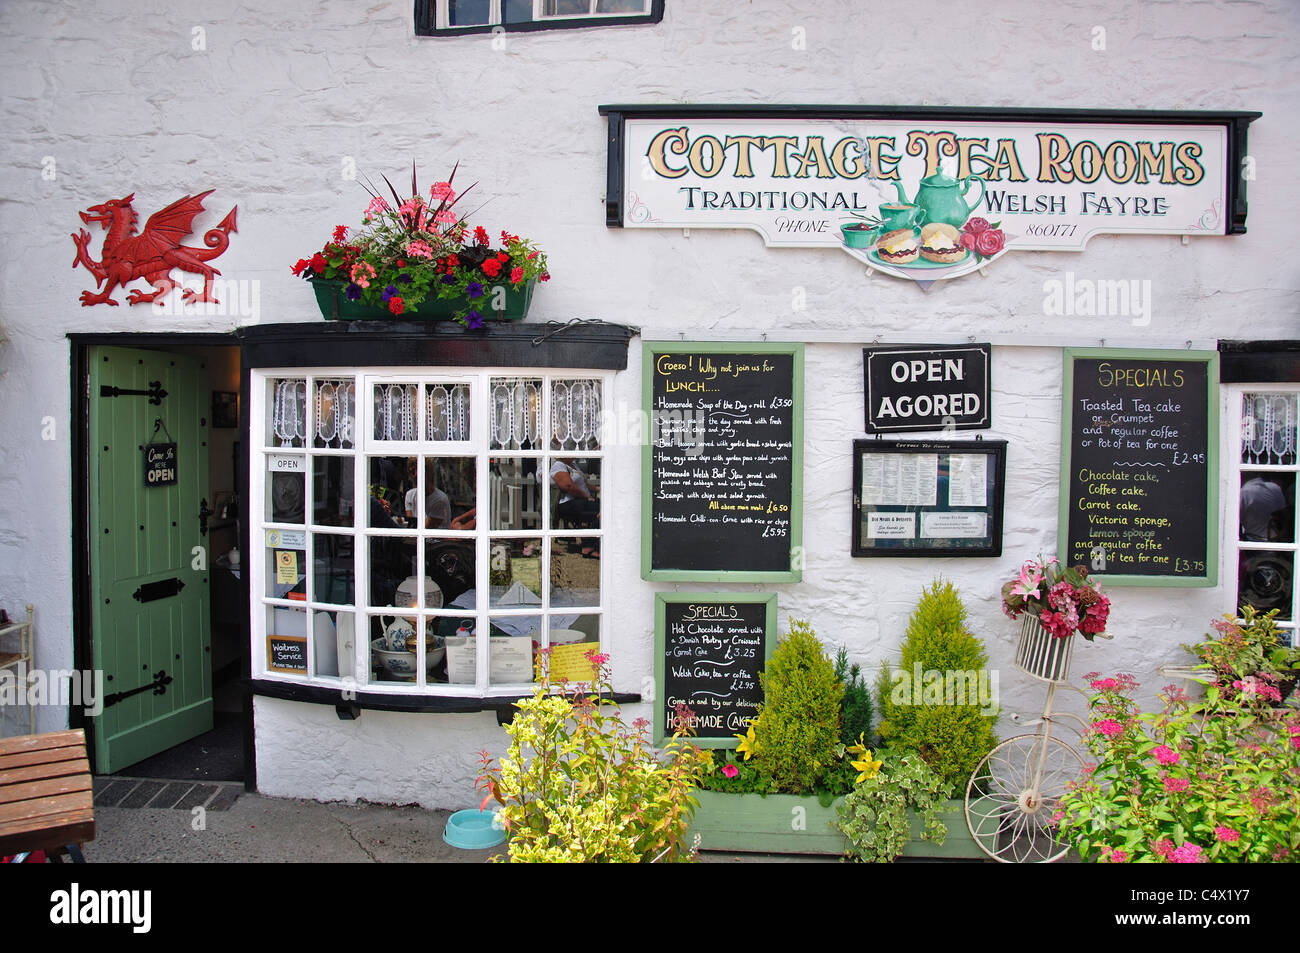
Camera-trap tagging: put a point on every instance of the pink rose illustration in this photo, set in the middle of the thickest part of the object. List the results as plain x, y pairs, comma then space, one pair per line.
989, 243
976, 225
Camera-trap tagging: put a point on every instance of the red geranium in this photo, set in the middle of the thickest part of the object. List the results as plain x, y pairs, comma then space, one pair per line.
319, 263
480, 235
492, 267
395, 305
516, 275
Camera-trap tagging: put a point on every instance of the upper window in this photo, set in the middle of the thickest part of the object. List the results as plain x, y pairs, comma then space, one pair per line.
426, 532
1266, 469
443, 17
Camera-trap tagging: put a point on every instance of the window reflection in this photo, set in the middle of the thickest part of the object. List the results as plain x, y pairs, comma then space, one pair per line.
1267, 507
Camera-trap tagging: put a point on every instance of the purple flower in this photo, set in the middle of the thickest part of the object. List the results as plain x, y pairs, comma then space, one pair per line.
353, 291
474, 320
474, 290
404, 278
389, 292
447, 280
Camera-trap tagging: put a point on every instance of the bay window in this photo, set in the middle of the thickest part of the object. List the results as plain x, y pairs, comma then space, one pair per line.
425, 531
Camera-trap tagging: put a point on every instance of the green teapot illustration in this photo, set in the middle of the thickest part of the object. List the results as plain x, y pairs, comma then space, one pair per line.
943, 198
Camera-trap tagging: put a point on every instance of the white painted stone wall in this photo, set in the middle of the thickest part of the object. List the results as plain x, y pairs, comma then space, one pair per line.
271, 104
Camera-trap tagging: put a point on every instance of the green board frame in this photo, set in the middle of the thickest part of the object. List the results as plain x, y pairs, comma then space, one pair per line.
795, 572
1212, 438
662, 601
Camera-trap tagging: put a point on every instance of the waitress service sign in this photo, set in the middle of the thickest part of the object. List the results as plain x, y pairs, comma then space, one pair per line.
927, 194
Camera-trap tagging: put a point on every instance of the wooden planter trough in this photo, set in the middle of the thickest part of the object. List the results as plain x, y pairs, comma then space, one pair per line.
793, 824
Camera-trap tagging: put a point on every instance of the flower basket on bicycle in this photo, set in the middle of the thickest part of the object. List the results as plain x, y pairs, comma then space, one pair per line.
1041, 654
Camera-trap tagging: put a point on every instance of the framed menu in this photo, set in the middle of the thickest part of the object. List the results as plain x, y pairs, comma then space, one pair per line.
1139, 466
932, 498
722, 468
709, 650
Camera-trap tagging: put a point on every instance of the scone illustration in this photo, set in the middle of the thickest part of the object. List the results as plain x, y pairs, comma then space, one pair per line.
898, 247
941, 243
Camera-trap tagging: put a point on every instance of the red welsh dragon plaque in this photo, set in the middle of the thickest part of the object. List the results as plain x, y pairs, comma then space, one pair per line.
153, 253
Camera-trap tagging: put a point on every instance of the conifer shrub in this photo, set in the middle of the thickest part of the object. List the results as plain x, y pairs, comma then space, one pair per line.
855, 708
940, 718
798, 727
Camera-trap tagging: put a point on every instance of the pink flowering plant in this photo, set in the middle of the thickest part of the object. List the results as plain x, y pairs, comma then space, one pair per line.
1250, 656
1214, 780
579, 785
1065, 600
418, 248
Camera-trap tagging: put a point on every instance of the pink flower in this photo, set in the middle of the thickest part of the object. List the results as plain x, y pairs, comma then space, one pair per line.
976, 225
730, 770
1166, 755
1031, 576
376, 207
1176, 785
445, 217
1226, 834
1110, 728
1105, 684
442, 192
1186, 854
420, 249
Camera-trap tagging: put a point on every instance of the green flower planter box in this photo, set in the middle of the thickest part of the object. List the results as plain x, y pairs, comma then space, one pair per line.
791, 824
335, 305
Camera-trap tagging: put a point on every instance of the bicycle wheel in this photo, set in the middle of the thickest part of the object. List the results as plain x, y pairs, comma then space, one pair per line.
1009, 820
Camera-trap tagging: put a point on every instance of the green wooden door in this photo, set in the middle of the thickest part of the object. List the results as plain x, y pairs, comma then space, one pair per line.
148, 558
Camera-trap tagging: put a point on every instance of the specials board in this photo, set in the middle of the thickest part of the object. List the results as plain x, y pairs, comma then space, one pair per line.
709, 651
722, 465
1139, 466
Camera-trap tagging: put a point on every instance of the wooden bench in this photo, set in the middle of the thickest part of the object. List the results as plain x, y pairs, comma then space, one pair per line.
46, 800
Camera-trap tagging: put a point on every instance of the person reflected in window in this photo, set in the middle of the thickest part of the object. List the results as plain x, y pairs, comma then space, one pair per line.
1263, 505
578, 506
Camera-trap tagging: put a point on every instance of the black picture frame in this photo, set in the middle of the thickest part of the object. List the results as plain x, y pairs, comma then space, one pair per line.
225, 408
891, 518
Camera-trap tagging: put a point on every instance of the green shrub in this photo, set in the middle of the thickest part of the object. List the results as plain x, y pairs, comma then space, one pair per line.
874, 817
927, 718
798, 727
855, 709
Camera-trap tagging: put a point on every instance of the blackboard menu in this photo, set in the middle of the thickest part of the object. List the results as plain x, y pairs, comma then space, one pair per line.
709, 651
723, 462
1139, 466
286, 653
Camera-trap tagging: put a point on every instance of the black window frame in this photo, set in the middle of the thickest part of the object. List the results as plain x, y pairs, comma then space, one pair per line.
426, 21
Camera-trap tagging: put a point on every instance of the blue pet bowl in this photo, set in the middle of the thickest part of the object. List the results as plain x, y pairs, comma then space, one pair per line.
472, 830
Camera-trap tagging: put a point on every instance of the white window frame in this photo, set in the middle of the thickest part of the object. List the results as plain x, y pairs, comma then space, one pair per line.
365, 446
539, 15
1233, 546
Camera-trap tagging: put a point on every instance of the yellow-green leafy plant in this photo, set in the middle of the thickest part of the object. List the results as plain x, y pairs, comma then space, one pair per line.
577, 785
797, 732
874, 817
940, 701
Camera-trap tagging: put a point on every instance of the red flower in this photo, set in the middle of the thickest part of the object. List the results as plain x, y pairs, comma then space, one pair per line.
480, 235
967, 239
395, 305
401, 263
340, 232
319, 263
546, 276
503, 257
976, 225
516, 275
299, 268
491, 267
989, 243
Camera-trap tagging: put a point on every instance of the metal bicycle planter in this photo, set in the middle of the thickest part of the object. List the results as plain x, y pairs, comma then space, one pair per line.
1016, 789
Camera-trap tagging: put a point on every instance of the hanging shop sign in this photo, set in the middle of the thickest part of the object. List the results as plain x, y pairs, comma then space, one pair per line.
1139, 466
931, 498
722, 470
927, 193
159, 464
709, 651
153, 254
926, 388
